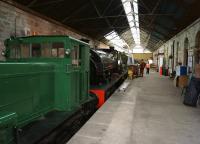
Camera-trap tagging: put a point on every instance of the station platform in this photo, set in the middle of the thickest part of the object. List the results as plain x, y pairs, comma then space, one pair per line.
150, 111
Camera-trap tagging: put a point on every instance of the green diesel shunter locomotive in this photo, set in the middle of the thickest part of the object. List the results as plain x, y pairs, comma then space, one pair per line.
43, 82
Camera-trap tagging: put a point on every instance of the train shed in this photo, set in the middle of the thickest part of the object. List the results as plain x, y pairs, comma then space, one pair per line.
99, 71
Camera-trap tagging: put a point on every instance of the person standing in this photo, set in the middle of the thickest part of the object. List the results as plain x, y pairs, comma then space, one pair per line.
147, 68
142, 66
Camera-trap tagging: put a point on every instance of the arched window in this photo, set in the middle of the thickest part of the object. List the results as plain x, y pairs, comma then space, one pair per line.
177, 50
197, 45
173, 55
186, 47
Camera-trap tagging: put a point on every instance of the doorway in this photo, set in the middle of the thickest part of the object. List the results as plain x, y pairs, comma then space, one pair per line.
173, 55
197, 45
177, 56
186, 47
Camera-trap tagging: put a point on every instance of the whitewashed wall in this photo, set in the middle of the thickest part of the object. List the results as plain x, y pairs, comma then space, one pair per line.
190, 33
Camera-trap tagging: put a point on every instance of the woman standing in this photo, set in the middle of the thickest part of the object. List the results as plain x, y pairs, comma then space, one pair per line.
148, 68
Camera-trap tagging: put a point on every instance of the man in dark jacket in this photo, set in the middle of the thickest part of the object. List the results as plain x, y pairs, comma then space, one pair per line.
142, 66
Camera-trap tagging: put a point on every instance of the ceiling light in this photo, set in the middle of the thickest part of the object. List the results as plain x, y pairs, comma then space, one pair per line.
133, 18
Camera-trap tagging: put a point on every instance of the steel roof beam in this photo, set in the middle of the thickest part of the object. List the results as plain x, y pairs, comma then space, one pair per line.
75, 12
32, 3
105, 10
45, 4
99, 14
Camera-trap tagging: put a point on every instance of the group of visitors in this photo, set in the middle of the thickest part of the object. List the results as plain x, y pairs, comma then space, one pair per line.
144, 65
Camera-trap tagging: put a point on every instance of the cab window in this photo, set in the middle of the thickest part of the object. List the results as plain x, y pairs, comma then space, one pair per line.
75, 56
25, 50
46, 50
15, 51
36, 50
58, 50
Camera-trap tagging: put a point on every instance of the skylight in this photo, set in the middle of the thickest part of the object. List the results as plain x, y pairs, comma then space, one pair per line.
119, 44
140, 49
131, 10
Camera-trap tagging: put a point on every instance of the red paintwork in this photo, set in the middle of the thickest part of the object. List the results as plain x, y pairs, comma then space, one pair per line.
161, 71
101, 96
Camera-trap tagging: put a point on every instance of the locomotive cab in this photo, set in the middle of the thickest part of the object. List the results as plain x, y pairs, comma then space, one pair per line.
40, 47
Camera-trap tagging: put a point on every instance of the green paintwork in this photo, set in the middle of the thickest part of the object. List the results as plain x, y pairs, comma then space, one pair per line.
31, 87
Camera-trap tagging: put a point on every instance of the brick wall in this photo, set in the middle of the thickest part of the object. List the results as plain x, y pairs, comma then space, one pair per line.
14, 21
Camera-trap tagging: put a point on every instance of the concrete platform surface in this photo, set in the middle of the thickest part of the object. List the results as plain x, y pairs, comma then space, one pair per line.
150, 111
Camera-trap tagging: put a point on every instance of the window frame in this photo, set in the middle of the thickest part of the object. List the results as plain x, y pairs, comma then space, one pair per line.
16, 49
